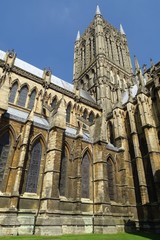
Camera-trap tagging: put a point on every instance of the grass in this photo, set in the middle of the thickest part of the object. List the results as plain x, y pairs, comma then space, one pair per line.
119, 236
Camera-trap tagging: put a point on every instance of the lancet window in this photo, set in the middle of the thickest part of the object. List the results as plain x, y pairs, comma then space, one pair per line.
85, 173
23, 96
5, 144
13, 92
34, 168
68, 113
32, 99
111, 178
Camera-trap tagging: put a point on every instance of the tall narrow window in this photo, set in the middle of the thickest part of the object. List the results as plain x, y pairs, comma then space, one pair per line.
85, 176
63, 173
54, 103
5, 144
32, 99
91, 117
13, 92
34, 167
111, 179
23, 96
68, 113
110, 133
85, 113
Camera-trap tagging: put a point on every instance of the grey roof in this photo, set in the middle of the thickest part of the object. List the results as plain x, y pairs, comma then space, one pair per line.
73, 132
55, 80
22, 116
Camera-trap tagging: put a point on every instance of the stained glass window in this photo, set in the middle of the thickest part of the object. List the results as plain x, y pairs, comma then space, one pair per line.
13, 92
85, 176
34, 167
4, 151
63, 174
32, 99
23, 96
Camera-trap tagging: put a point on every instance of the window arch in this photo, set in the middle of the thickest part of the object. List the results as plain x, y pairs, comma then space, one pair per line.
68, 113
85, 114
32, 99
54, 103
63, 172
13, 92
5, 144
91, 117
34, 167
23, 96
111, 179
110, 133
85, 174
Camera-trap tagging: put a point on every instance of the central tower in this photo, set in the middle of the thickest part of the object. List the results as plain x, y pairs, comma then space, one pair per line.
102, 64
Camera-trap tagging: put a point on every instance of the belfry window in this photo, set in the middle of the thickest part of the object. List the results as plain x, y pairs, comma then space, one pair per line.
32, 99
34, 167
13, 92
85, 173
23, 96
5, 144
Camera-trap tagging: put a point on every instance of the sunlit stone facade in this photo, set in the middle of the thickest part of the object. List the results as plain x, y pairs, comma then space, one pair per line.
85, 157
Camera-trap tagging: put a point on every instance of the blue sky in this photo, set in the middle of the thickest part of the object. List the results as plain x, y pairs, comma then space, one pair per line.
42, 32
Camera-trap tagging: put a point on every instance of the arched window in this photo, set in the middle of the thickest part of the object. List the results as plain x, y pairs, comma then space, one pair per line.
110, 133
13, 92
85, 173
54, 103
111, 178
68, 113
23, 96
34, 167
85, 113
91, 117
63, 173
5, 143
32, 99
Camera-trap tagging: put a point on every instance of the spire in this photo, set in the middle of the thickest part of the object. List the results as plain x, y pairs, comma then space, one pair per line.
122, 30
78, 36
98, 12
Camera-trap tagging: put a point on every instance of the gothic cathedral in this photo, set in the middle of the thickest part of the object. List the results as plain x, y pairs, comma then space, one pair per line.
81, 157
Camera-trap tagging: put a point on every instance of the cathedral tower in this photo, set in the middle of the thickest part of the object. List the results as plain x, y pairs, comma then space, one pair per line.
102, 63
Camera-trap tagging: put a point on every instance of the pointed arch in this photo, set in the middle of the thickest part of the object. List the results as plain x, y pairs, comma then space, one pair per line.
68, 112
54, 102
91, 117
6, 142
111, 179
23, 95
110, 133
86, 175
63, 180
13, 91
34, 167
85, 113
32, 98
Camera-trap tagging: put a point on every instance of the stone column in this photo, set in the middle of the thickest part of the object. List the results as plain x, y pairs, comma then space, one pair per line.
151, 135
138, 156
125, 165
23, 150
